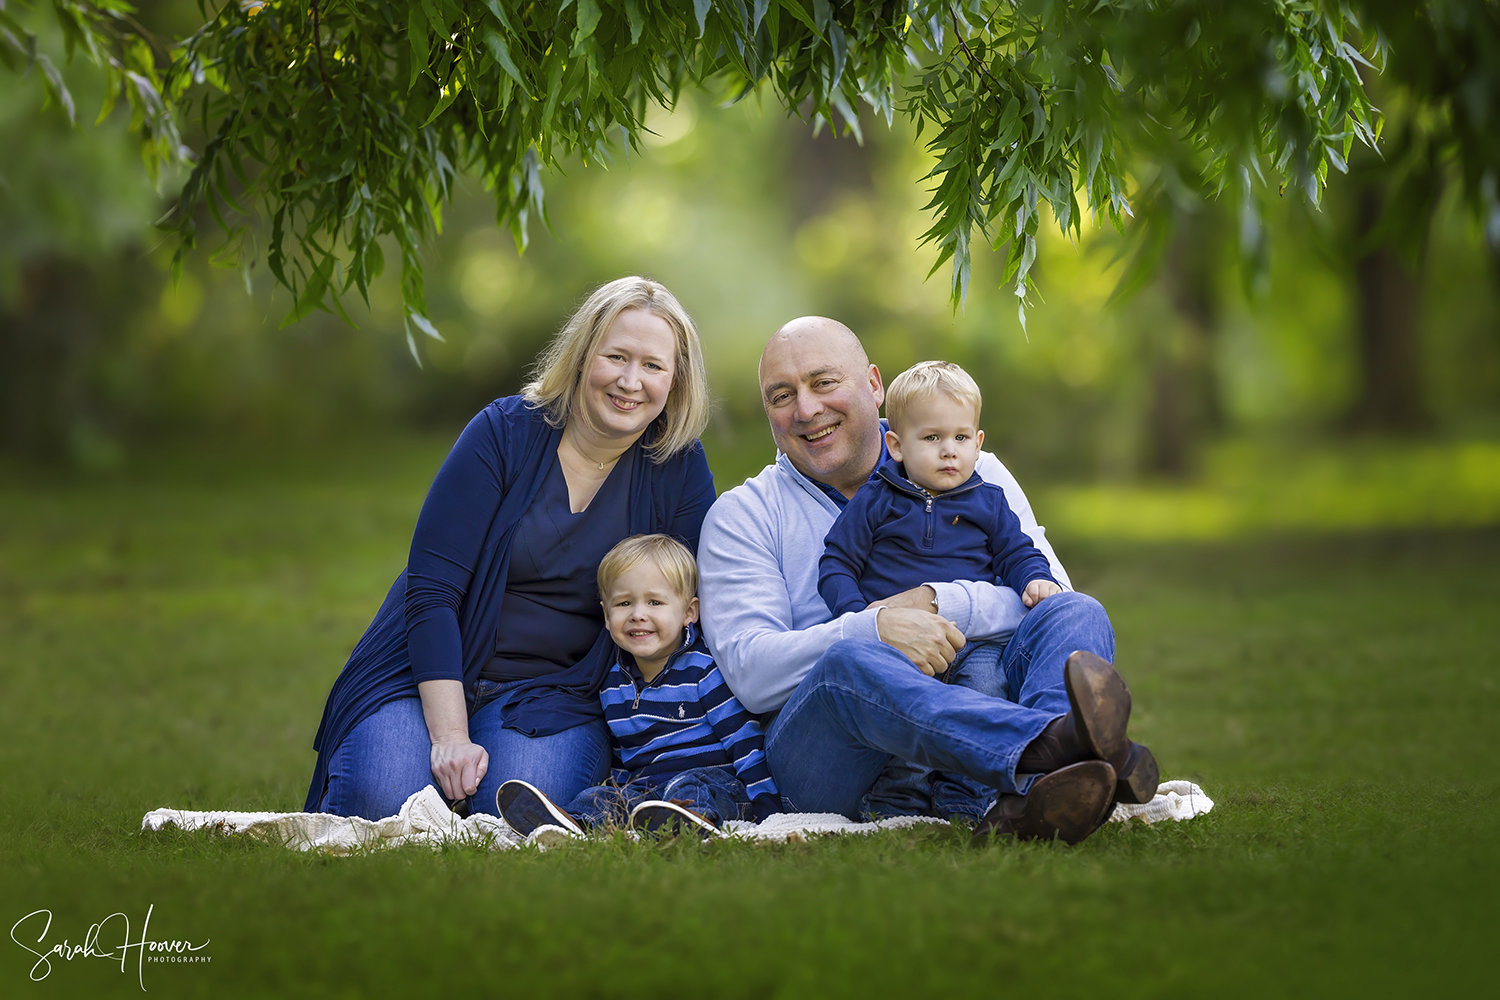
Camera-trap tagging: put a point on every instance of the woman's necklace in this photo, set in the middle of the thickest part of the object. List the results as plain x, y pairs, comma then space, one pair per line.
574, 451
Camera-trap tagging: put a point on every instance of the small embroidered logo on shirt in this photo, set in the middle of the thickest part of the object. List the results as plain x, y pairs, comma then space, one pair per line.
680, 711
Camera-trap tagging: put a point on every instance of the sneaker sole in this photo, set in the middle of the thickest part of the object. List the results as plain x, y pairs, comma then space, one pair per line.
524, 808
660, 818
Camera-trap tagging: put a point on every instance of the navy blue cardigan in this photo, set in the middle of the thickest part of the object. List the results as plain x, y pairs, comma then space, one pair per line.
439, 619
894, 536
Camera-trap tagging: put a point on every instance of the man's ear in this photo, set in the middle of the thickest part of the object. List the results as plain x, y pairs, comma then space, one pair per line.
692, 611
877, 388
893, 445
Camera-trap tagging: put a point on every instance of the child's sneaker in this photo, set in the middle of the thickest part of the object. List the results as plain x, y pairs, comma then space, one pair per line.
524, 808
661, 817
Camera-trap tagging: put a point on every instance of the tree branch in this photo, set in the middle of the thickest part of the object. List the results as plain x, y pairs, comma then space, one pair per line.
318, 48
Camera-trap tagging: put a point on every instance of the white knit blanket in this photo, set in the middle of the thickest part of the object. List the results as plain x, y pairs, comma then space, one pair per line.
426, 819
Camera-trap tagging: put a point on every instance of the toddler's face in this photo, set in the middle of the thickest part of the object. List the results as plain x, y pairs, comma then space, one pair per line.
645, 615
938, 442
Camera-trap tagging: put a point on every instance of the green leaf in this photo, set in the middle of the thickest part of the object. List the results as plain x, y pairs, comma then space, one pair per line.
822, 15
416, 34
588, 20
700, 10
495, 42
637, 23
425, 325
448, 95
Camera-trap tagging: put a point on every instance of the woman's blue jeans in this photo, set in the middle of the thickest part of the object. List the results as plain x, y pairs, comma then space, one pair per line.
388, 757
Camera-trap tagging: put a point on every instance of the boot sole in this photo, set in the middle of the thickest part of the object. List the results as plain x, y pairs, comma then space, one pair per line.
1100, 702
1068, 804
1138, 780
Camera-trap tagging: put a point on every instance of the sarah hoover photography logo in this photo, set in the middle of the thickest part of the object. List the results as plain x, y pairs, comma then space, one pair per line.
110, 939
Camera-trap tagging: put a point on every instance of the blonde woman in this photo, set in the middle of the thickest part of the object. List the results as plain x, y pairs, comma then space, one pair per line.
484, 662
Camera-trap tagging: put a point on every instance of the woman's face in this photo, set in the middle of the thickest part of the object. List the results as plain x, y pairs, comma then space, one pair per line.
626, 382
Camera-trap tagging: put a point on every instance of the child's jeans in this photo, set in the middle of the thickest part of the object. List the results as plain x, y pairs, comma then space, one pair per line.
907, 789
712, 792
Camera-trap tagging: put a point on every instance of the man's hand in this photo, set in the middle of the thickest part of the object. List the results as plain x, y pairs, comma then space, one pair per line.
458, 765
922, 598
929, 641
1038, 591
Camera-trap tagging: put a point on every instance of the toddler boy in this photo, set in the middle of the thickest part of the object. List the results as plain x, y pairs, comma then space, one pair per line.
926, 515
689, 754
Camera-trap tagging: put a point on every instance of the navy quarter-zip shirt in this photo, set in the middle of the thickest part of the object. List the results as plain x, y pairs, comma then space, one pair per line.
894, 536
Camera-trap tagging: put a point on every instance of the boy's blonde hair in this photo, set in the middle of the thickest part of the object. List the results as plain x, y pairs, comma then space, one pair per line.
556, 383
670, 556
925, 380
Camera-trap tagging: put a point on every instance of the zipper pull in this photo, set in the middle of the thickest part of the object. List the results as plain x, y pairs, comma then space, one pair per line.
929, 505
638, 693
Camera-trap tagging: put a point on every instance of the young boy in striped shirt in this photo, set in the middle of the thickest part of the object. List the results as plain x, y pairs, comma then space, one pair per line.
689, 755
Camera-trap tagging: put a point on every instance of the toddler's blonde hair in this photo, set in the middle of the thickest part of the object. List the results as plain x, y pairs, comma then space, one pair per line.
670, 556
925, 380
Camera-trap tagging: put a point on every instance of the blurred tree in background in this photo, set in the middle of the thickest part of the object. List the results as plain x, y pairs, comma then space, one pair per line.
752, 219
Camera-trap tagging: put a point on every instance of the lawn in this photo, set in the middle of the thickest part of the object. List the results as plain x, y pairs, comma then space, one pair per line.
167, 638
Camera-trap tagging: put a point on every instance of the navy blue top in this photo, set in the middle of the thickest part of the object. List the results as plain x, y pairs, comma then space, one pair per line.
550, 614
442, 615
894, 536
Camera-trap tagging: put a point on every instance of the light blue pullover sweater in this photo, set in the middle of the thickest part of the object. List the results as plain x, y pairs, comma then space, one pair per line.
758, 570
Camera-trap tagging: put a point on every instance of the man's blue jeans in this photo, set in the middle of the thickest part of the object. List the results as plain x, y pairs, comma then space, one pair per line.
388, 757
712, 792
864, 705
908, 789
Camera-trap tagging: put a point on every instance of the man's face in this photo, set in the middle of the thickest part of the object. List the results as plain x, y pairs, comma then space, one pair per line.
822, 399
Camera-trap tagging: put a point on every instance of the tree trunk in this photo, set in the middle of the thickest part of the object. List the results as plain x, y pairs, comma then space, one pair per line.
1390, 397
1184, 392
53, 337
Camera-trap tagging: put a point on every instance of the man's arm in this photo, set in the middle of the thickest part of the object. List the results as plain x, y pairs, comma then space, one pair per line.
747, 607
982, 610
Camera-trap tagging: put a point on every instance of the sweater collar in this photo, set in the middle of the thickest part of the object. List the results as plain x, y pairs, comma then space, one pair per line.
833, 494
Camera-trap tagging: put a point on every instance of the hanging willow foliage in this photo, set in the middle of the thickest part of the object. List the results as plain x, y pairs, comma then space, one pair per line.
341, 122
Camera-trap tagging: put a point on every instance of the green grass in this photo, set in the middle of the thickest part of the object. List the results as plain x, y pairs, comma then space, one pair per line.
168, 639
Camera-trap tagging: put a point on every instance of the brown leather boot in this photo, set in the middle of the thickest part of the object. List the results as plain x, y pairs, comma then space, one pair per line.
1100, 704
1094, 728
1056, 747
1136, 775
1067, 804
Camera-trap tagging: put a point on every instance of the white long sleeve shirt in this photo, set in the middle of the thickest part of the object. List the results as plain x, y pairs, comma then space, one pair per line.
758, 567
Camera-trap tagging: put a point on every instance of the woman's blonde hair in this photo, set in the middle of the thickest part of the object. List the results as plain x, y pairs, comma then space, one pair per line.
670, 556
925, 380
556, 383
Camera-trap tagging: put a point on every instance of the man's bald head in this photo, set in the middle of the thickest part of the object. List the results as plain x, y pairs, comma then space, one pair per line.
822, 397
820, 329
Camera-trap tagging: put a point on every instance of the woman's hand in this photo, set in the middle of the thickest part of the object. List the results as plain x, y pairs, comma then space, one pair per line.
457, 763
458, 766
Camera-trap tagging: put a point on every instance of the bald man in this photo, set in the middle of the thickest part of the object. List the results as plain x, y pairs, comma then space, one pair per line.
851, 695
